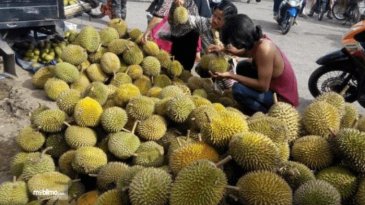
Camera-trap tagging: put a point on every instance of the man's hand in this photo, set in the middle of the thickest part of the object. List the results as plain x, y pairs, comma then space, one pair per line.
179, 2
146, 36
215, 48
220, 75
230, 49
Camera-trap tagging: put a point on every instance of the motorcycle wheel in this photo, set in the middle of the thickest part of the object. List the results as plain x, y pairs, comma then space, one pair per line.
333, 78
286, 25
338, 10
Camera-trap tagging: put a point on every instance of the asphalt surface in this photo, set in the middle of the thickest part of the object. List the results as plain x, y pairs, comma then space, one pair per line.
303, 45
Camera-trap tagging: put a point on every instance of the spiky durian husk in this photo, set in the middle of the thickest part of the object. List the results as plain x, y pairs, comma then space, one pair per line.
13, 193
264, 187
89, 160
113, 119
313, 151
87, 112
96, 73
317, 192
296, 174
41, 76
200, 183
123, 144
109, 175
153, 128
140, 107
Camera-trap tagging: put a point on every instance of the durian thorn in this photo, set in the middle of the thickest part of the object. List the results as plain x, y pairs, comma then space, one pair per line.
178, 141
224, 161
67, 124
209, 119
233, 188
135, 126
344, 90
275, 98
93, 175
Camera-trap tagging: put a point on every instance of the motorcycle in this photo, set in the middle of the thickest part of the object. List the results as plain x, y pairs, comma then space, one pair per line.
288, 12
343, 71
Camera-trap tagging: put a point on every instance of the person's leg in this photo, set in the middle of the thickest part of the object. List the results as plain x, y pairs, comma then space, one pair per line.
184, 49
276, 6
116, 5
251, 100
301, 12
123, 9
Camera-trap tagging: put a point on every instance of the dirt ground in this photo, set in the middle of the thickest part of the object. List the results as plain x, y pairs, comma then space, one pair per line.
17, 99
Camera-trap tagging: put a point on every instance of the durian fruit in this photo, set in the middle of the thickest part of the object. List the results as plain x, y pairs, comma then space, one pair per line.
185, 75
218, 64
334, 99
200, 101
143, 83
200, 183
134, 33
205, 60
180, 15
30, 140
74, 54
87, 112
118, 46
17, 162
149, 154
150, 186
151, 48
153, 128
124, 93
179, 108
350, 143
151, 66
350, 116
65, 163
76, 189
89, 160
360, 195
341, 178
170, 91
77, 137
13, 193
284, 151
110, 63
161, 106
264, 187
42, 75
186, 155
109, 175
120, 25
58, 143
220, 130
120, 79
96, 73
317, 192
111, 197
140, 107
254, 151
128, 174
320, 117
67, 100
96, 56
36, 111
51, 120
84, 65
195, 82
164, 58
56, 182
289, 115
176, 142
272, 127
313, 151
36, 164
135, 71
200, 92
89, 38
123, 144
114, 119
175, 69
296, 174
162, 81
89, 198
54, 87
154, 92
133, 55
66, 72
107, 35
81, 84
97, 91
201, 115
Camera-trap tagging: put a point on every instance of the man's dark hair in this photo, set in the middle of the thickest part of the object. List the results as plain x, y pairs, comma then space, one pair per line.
227, 7
240, 31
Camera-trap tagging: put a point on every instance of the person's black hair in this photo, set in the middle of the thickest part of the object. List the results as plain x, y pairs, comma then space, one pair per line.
240, 31
227, 7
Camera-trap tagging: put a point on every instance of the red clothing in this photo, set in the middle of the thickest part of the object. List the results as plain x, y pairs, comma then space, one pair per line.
285, 85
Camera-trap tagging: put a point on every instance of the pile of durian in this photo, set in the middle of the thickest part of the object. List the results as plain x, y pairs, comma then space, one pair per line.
132, 127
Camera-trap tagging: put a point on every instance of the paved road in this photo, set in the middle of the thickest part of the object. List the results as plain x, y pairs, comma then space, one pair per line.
304, 43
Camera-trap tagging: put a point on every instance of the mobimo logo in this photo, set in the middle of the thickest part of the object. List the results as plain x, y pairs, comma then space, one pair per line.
51, 193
